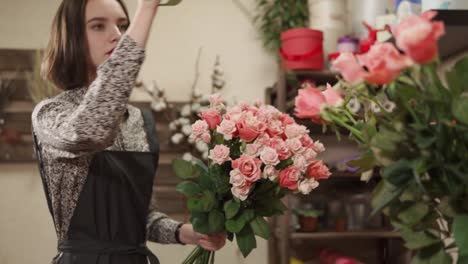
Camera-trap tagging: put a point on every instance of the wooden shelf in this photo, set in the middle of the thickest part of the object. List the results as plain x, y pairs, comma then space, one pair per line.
347, 234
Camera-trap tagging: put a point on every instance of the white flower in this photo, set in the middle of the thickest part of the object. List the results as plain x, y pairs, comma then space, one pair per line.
375, 108
191, 140
353, 105
307, 185
205, 155
184, 121
172, 126
201, 146
389, 106
187, 156
185, 111
197, 92
187, 130
177, 138
195, 107
158, 106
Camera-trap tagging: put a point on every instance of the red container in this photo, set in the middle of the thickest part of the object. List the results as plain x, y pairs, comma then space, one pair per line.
302, 49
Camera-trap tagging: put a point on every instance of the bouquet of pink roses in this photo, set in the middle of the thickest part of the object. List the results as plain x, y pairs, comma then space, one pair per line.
257, 155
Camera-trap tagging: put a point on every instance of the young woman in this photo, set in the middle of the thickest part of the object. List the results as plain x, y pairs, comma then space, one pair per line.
97, 154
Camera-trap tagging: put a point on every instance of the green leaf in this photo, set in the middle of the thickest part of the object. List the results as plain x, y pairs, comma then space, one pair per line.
457, 77
462, 260
460, 109
188, 188
260, 227
414, 214
460, 231
235, 225
184, 169
216, 221
202, 204
200, 222
383, 195
417, 240
432, 255
231, 208
246, 240
398, 173
248, 215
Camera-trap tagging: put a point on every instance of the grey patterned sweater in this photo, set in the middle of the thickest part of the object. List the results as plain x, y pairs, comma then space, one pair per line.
77, 123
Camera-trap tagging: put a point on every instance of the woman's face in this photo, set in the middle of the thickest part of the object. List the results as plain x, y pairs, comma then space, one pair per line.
105, 23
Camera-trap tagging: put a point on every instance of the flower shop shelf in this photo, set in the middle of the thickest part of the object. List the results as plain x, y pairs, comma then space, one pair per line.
347, 234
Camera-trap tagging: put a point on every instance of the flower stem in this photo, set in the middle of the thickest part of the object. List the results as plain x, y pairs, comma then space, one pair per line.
353, 130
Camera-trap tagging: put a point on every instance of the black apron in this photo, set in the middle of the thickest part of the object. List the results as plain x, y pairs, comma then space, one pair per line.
108, 225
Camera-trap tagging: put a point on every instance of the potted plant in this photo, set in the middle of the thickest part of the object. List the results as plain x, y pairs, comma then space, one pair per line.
308, 219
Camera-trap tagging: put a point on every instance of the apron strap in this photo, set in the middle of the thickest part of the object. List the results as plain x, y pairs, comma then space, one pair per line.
105, 247
40, 162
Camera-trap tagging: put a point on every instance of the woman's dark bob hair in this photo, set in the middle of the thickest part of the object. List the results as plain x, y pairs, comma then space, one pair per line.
65, 61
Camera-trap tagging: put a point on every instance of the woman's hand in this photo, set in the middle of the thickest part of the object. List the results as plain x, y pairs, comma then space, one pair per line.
211, 242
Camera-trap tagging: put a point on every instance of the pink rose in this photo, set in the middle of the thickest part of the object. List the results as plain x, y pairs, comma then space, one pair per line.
289, 177
237, 178
286, 119
275, 128
300, 162
294, 145
309, 155
307, 185
350, 69
233, 113
270, 172
306, 141
332, 96
308, 104
216, 101
417, 36
384, 63
269, 156
253, 149
281, 148
263, 139
318, 147
249, 127
206, 137
227, 128
248, 166
219, 154
295, 130
199, 128
318, 170
241, 192
212, 117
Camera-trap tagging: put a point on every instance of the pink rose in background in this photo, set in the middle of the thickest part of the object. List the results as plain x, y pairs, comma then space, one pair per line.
253, 149
206, 137
275, 128
227, 128
289, 177
249, 167
306, 141
212, 117
233, 113
308, 103
286, 119
300, 162
269, 156
216, 101
295, 130
318, 147
332, 96
237, 178
199, 128
417, 36
270, 172
294, 145
241, 192
318, 170
219, 154
307, 185
281, 148
310, 155
384, 63
249, 127
350, 69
